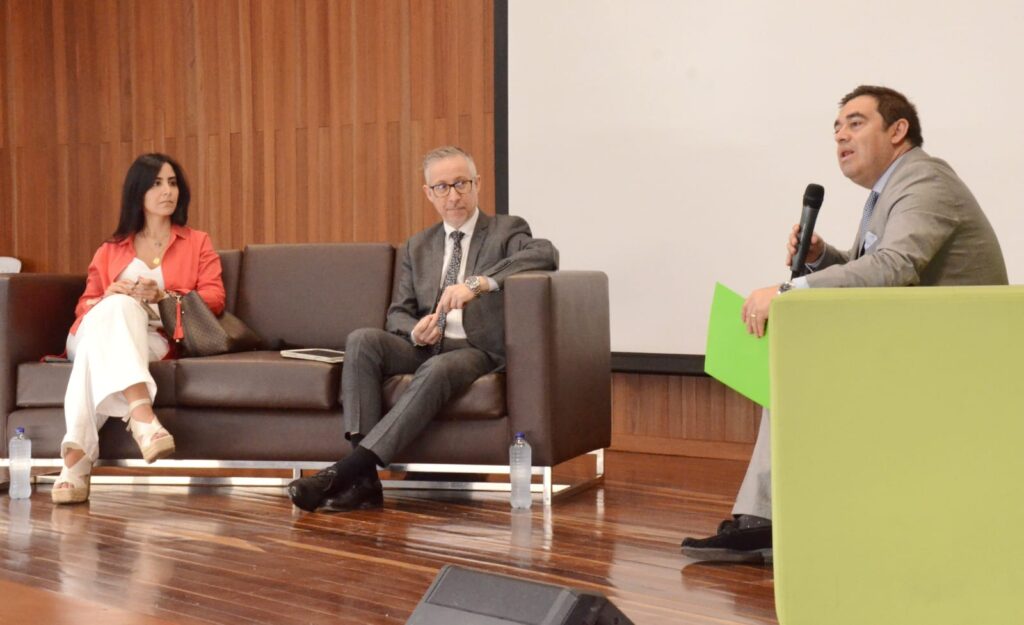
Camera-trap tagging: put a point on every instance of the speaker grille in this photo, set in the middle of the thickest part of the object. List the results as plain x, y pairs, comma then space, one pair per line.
515, 600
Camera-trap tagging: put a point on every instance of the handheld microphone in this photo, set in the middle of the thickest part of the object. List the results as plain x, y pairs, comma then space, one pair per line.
813, 196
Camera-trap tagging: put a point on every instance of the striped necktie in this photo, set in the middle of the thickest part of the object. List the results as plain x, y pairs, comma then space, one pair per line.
451, 276
869, 208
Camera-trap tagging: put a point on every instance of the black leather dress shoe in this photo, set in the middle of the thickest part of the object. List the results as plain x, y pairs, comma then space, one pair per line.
366, 493
744, 539
308, 492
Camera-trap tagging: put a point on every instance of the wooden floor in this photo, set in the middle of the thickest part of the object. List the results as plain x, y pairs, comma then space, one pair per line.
188, 555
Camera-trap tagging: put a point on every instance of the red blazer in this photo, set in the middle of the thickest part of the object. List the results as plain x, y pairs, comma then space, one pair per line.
188, 264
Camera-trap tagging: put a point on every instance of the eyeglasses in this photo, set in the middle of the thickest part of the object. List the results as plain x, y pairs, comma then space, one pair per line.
442, 189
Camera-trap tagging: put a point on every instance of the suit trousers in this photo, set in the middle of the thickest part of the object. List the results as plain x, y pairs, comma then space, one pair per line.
111, 351
755, 496
372, 356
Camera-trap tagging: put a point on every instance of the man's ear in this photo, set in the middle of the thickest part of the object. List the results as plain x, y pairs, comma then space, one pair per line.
426, 192
898, 131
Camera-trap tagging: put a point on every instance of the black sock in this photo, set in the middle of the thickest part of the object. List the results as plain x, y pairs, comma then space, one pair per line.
360, 462
355, 439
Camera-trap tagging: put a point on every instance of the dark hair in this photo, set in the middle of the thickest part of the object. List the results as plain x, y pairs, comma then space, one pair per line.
893, 106
137, 182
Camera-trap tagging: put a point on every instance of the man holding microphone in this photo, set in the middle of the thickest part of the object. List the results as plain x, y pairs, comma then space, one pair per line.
920, 226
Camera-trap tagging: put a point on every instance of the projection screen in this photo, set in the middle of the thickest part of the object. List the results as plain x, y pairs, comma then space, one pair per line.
668, 142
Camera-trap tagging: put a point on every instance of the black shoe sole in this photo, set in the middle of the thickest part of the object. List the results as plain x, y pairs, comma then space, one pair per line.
372, 504
718, 554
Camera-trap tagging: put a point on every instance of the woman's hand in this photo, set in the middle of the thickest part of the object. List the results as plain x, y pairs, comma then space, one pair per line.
147, 291
121, 287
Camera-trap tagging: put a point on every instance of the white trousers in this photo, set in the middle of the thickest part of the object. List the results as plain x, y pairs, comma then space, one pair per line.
111, 351
755, 496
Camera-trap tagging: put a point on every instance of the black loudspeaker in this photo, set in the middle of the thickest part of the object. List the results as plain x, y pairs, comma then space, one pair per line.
462, 596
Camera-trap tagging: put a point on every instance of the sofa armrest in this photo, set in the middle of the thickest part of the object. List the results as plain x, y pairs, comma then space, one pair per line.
36, 311
558, 344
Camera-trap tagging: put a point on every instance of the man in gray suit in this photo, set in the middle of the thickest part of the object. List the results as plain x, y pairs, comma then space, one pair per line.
920, 226
445, 324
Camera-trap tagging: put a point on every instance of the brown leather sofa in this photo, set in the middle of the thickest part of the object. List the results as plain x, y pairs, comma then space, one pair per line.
259, 409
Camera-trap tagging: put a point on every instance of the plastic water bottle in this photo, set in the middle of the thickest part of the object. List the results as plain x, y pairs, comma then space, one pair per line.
20, 465
520, 457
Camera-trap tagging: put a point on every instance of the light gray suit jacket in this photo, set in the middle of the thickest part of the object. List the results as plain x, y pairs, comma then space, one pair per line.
930, 231
501, 246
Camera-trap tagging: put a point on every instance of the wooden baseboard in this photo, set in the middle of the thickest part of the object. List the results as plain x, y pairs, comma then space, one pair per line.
681, 447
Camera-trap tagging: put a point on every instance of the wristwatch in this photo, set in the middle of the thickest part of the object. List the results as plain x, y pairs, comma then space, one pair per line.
785, 286
473, 282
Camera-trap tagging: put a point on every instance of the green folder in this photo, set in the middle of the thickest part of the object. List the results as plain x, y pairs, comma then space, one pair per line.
733, 357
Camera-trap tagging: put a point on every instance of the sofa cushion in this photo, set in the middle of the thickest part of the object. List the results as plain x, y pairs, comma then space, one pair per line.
313, 295
261, 380
484, 399
42, 384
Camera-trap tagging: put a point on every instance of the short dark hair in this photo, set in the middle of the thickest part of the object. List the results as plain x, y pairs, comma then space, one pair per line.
137, 182
893, 106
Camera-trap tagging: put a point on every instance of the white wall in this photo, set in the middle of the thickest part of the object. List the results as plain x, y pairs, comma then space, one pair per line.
668, 142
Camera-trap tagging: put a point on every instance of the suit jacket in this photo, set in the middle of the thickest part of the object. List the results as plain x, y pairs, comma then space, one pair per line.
501, 246
930, 231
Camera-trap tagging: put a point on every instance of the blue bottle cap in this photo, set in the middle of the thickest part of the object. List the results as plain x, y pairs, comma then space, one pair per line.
520, 434
19, 431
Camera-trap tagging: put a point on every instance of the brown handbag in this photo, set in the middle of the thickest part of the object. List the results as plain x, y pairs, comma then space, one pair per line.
193, 326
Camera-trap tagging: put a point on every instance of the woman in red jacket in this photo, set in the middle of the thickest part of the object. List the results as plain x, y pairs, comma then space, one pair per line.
117, 332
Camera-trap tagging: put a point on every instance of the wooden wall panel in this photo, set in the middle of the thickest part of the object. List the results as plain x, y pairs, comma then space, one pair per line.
6, 180
681, 415
5, 17
295, 121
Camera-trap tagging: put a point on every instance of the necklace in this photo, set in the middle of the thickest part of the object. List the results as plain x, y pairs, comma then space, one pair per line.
159, 255
158, 245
